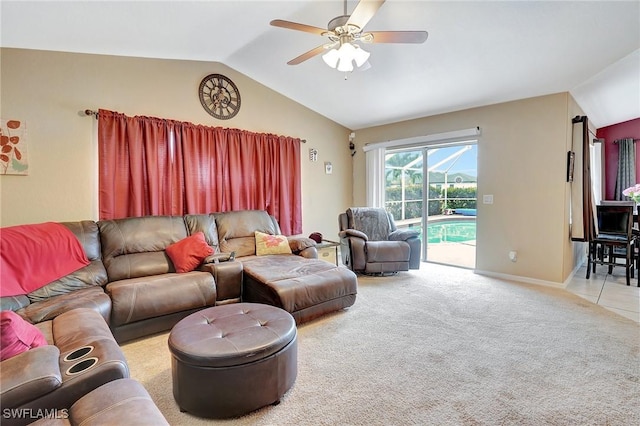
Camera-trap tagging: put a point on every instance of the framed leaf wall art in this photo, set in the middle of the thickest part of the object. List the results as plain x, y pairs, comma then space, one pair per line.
13, 147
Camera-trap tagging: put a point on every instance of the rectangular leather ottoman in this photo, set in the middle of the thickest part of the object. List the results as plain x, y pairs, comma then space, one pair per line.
306, 288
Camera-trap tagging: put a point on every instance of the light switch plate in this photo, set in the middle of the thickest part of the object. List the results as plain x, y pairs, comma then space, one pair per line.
328, 167
487, 199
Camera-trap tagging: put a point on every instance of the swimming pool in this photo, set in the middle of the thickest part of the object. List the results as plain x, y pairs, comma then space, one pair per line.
451, 231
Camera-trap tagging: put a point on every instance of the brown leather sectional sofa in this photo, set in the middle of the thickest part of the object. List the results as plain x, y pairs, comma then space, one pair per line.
131, 283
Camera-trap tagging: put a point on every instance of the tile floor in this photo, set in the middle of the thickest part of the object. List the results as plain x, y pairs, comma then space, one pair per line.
609, 291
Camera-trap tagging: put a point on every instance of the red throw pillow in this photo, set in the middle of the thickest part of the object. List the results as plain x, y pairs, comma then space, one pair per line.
189, 252
17, 335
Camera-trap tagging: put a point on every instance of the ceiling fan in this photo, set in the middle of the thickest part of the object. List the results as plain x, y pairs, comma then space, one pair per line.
344, 32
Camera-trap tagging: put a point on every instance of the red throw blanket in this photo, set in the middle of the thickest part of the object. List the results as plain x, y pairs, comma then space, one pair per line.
32, 256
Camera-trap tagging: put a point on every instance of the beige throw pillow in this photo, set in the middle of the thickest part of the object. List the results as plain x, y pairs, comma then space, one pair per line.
271, 244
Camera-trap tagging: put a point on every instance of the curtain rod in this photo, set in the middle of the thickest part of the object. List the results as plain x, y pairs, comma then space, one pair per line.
95, 114
618, 140
581, 119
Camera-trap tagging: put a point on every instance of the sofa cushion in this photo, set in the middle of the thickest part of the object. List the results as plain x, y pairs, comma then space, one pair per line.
271, 244
92, 275
244, 223
17, 335
141, 298
243, 246
236, 230
135, 247
189, 252
86, 231
93, 297
205, 223
76, 328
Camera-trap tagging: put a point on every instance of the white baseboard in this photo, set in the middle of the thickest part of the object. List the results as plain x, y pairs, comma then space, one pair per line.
581, 262
534, 280
518, 278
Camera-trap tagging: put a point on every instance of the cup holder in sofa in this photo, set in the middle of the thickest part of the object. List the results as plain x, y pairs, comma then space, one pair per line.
78, 353
81, 366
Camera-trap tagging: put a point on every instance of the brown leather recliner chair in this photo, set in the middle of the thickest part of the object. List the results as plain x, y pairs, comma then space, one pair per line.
371, 243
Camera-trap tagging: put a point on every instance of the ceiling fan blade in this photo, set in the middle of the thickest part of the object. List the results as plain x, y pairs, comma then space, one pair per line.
363, 12
308, 55
398, 36
298, 27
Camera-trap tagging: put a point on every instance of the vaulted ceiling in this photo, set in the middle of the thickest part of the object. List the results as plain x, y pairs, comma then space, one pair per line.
477, 53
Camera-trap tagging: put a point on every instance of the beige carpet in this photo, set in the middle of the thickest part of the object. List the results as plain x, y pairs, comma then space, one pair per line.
443, 346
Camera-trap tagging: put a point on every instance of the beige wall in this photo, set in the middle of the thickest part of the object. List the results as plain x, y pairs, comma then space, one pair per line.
575, 253
521, 153
522, 163
48, 90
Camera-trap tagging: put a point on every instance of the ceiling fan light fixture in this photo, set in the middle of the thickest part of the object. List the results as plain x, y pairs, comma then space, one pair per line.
331, 58
345, 65
360, 56
365, 66
346, 53
344, 57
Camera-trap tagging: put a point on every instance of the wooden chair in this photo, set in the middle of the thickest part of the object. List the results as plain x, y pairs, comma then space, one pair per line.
614, 240
619, 252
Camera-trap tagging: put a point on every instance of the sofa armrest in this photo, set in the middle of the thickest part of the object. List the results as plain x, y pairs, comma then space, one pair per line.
219, 257
353, 233
403, 235
228, 279
30, 375
303, 246
309, 253
298, 244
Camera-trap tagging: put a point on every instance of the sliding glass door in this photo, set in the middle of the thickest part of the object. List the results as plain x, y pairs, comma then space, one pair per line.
434, 189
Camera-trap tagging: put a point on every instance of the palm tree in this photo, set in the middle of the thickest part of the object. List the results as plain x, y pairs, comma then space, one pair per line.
395, 165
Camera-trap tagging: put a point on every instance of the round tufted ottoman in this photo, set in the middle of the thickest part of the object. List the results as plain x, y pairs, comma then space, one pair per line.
231, 359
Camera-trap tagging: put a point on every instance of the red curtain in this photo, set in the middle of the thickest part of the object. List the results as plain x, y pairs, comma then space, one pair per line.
151, 166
